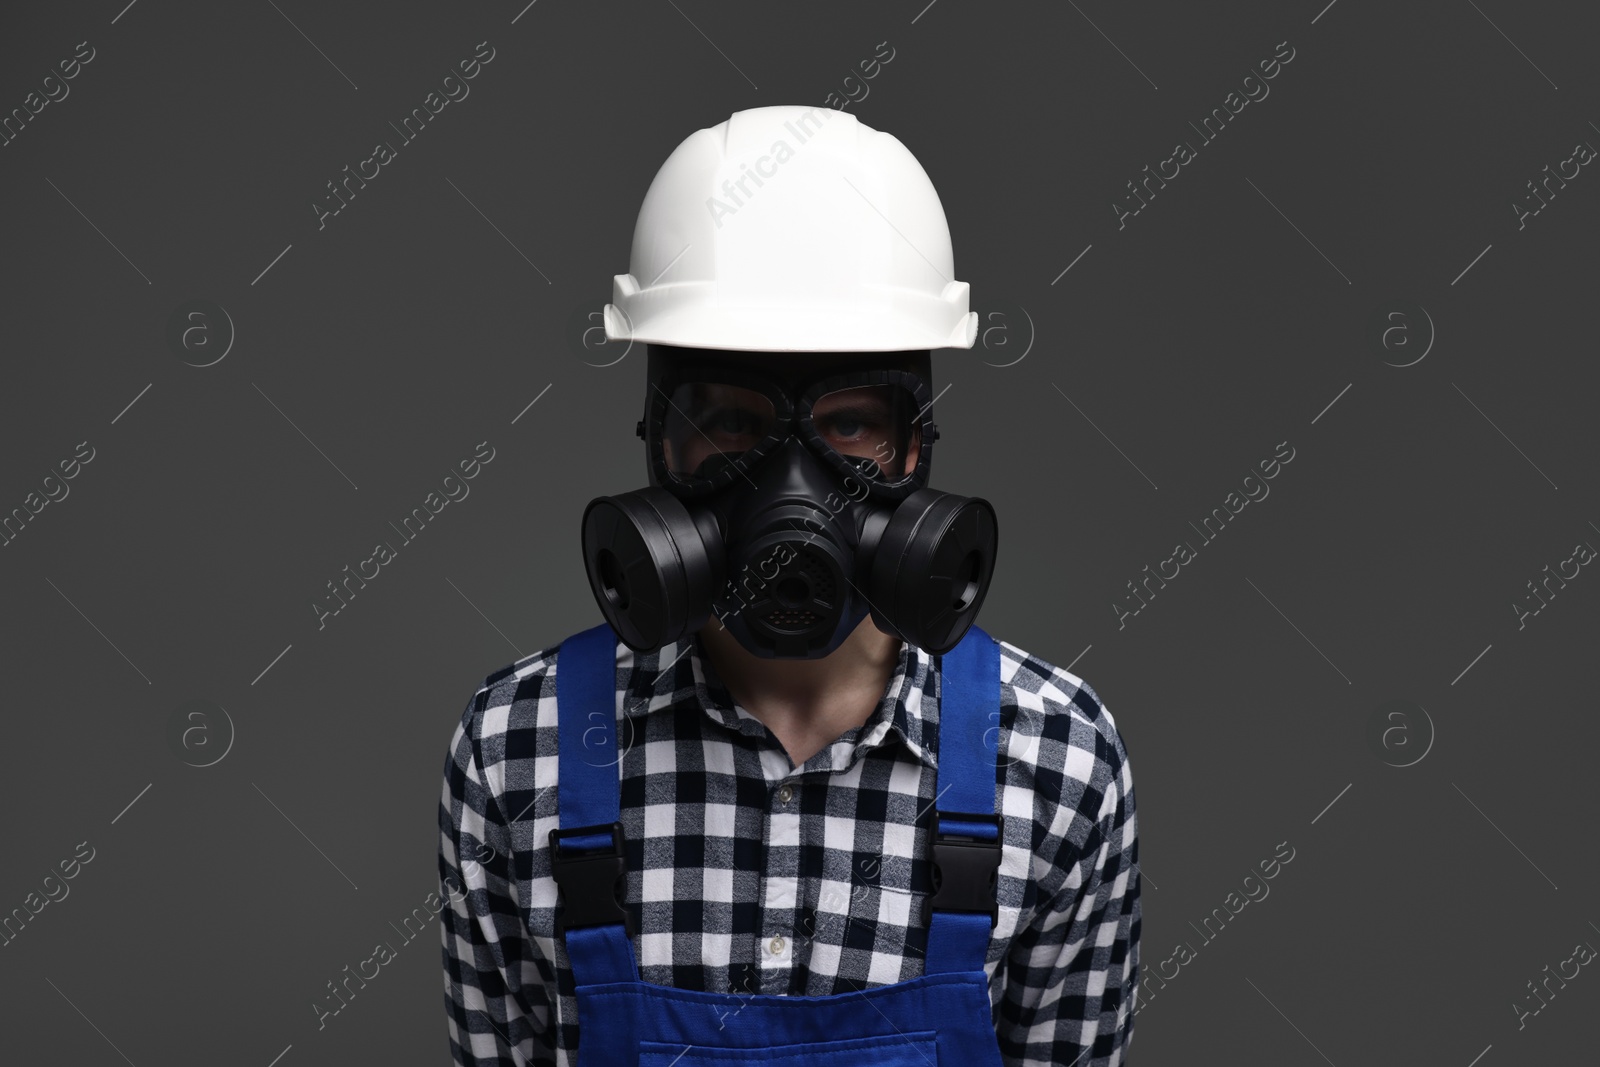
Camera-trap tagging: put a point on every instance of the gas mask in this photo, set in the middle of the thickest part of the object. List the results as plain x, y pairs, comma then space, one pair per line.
788, 496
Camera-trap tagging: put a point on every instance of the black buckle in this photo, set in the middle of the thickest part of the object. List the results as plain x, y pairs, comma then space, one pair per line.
592, 883
966, 870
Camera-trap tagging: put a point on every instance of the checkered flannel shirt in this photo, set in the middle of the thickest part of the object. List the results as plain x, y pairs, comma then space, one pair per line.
749, 875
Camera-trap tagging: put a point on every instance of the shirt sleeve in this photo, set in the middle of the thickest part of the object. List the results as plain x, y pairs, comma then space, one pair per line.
495, 1003
1074, 973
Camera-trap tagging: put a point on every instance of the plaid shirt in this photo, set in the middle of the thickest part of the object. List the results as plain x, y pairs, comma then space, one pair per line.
746, 874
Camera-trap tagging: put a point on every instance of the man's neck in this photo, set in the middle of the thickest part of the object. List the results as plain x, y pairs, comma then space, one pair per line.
807, 703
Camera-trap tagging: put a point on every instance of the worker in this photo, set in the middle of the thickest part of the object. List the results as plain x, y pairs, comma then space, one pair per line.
787, 802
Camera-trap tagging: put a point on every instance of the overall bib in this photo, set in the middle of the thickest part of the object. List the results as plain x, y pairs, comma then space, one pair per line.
942, 1018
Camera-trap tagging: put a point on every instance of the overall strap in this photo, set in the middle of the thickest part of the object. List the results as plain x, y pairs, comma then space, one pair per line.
587, 850
966, 847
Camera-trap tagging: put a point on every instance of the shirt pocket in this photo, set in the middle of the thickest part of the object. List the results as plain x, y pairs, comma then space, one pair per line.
858, 926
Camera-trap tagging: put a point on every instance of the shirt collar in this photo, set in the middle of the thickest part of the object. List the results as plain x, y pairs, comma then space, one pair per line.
680, 674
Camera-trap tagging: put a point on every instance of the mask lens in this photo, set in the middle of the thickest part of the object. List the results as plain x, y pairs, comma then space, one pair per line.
709, 426
875, 427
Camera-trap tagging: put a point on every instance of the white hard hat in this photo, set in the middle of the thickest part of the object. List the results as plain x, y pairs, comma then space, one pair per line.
792, 229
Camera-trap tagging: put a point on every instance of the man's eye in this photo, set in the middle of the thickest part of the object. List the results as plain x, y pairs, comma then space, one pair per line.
732, 421
845, 425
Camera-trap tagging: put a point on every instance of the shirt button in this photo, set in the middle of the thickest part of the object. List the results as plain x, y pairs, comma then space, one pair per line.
785, 794
776, 945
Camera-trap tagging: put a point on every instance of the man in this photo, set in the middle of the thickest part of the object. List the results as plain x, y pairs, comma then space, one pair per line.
788, 802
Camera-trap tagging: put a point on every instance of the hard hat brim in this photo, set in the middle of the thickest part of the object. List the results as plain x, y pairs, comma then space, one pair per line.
906, 322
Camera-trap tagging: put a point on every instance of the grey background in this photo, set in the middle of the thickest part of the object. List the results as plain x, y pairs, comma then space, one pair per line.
1108, 406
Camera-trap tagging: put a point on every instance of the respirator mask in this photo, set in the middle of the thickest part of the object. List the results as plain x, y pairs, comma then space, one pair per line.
788, 496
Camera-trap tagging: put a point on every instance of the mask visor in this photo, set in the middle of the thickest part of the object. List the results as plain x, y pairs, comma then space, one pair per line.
710, 431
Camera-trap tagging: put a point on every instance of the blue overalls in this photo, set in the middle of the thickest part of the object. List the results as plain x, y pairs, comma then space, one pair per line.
942, 1018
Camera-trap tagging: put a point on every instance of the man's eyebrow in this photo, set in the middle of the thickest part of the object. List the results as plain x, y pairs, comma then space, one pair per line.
867, 405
